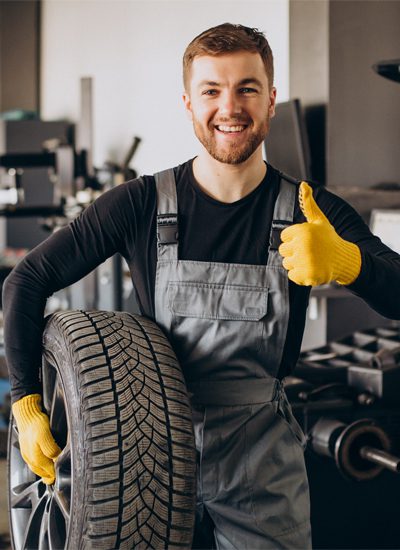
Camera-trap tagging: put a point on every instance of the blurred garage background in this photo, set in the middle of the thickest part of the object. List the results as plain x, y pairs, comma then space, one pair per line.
90, 95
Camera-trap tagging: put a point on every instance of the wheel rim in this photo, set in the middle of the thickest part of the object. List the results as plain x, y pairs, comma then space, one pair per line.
40, 513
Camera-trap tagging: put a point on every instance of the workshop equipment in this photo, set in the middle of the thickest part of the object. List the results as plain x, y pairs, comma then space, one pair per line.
344, 396
360, 449
33, 184
75, 183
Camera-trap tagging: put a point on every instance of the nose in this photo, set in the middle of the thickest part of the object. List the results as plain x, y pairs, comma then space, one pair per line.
230, 104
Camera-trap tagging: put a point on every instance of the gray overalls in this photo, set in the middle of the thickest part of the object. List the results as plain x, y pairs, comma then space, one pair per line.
227, 324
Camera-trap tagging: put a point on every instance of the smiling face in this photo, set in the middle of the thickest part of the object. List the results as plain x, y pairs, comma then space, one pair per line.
230, 103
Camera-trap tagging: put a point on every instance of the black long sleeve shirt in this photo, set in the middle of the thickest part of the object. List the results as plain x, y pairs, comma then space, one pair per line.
124, 220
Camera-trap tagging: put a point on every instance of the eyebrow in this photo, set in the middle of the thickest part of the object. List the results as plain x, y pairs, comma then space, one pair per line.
251, 81
243, 82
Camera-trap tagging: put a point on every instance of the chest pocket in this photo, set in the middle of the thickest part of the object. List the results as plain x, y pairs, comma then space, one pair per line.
218, 324
218, 301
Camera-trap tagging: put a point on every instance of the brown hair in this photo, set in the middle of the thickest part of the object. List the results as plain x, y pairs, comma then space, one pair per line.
226, 38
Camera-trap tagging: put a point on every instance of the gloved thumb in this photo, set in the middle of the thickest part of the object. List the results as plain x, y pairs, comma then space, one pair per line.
309, 207
48, 445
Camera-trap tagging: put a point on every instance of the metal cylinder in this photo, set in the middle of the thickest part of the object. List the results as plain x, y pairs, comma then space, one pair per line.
382, 458
360, 449
324, 435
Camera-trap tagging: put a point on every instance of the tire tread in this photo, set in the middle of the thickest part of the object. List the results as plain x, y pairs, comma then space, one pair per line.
140, 462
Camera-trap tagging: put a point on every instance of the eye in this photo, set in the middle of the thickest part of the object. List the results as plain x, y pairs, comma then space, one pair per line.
247, 91
209, 92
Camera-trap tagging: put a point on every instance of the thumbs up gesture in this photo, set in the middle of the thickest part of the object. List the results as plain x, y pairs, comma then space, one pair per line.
313, 253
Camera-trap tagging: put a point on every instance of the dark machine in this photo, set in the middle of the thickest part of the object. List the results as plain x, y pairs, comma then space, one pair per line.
52, 187
53, 183
345, 396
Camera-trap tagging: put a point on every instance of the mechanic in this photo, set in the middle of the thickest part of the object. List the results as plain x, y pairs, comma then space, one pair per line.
230, 289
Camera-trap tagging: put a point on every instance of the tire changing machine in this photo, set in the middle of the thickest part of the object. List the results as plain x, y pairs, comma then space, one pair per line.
345, 397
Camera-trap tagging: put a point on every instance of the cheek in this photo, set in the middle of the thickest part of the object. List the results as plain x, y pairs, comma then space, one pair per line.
261, 111
203, 112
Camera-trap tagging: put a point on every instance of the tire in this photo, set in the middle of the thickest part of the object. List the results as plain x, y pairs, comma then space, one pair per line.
118, 407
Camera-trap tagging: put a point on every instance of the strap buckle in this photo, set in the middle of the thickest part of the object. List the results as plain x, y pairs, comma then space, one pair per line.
275, 236
167, 229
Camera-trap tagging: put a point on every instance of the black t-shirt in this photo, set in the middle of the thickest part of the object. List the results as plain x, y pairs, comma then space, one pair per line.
124, 220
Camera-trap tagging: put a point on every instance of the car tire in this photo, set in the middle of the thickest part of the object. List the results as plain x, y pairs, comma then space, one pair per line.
119, 409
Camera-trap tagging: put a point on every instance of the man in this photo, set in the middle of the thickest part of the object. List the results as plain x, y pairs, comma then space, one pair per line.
232, 304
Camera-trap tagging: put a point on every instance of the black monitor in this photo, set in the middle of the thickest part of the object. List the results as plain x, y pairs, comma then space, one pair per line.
286, 146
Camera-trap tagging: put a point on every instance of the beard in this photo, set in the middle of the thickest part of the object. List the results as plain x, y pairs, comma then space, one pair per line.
231, 154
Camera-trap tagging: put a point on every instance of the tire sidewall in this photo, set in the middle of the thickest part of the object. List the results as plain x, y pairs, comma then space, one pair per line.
61, 358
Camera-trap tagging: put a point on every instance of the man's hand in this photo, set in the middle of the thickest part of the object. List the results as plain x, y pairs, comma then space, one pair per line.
38, 447
313, 253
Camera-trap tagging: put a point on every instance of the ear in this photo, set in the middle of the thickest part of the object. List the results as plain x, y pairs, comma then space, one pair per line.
188, 105
272, 102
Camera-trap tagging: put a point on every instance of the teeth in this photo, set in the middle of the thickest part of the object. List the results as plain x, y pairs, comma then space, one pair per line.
231, 128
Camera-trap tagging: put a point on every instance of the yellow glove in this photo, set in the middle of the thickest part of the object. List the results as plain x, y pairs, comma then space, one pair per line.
314, 254
38, 447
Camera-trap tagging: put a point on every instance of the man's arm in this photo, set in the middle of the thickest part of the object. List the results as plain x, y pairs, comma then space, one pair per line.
106, 227
334, 244
101, 230
378, 282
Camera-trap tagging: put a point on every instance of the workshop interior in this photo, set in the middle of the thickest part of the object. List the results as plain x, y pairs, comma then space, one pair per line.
337, 123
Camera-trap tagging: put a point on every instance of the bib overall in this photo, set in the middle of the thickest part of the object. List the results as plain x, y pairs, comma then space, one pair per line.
227, 324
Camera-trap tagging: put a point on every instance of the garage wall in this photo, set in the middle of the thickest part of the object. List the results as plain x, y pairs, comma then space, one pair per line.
133, 49
364, 108
19, 54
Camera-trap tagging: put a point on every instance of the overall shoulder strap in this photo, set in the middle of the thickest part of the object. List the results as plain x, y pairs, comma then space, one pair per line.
283, 216
290, 179
167, 215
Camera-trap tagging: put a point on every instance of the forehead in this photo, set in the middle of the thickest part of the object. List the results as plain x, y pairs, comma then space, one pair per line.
228, 68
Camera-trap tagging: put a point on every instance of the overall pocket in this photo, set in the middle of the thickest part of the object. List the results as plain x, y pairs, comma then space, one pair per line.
277, 474
284, 411
225, 302
220, 324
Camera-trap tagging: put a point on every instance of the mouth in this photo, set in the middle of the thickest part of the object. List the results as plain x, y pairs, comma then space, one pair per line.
231, 129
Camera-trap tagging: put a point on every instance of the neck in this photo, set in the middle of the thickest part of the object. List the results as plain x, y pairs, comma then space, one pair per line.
229, 182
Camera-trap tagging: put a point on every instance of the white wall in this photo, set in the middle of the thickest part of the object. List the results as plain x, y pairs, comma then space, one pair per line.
133, 49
